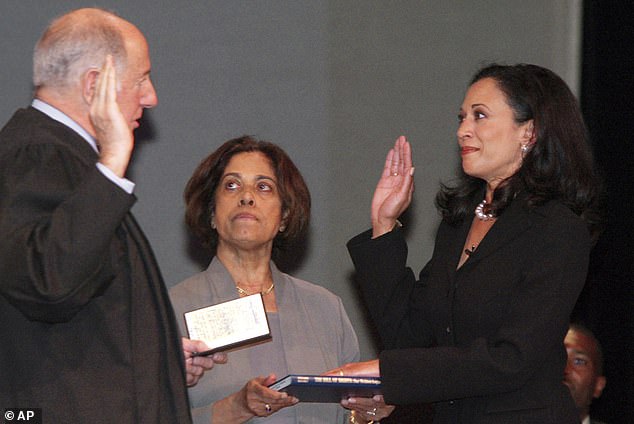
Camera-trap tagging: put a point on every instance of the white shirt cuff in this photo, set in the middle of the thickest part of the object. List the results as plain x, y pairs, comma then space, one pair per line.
124, 183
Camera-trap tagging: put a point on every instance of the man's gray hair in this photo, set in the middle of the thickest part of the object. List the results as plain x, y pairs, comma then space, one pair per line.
74, 43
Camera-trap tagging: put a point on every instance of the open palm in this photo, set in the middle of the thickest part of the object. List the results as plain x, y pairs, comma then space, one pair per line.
394, 190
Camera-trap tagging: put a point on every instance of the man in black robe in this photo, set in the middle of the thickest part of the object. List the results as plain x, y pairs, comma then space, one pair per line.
87, 332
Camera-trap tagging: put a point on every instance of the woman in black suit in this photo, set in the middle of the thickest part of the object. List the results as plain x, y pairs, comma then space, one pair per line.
480, 334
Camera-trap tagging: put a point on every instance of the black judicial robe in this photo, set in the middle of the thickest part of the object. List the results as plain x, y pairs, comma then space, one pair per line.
87, 332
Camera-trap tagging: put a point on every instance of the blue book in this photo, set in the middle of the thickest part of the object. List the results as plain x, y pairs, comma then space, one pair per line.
327, 389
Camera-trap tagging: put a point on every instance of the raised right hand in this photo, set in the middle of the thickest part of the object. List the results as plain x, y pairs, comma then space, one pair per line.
112, 132
393, 193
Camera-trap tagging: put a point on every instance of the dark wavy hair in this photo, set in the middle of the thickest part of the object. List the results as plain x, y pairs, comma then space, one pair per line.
559, 165
200, 192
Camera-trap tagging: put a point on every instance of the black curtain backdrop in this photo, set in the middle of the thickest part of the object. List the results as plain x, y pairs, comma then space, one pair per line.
607, 96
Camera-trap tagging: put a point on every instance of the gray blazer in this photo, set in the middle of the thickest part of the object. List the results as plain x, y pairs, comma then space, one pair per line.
318, 336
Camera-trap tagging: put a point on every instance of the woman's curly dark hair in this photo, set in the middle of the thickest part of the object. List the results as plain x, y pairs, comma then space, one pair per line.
200, 192
559, 165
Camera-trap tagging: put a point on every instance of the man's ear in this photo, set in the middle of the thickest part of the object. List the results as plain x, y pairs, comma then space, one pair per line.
89, 84
599, 385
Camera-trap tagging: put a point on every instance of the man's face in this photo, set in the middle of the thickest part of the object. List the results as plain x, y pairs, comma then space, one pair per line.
581, 374
135, 90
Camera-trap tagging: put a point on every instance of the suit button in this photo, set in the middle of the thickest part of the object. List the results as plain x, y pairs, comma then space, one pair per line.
448, 330
451, 402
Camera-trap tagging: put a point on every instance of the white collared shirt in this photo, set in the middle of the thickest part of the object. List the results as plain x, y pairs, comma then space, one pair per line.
61, 117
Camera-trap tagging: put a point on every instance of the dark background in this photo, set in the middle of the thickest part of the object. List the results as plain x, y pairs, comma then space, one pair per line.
607, 98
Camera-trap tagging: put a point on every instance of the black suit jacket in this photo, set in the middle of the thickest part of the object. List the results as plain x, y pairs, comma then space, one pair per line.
87, 331
485, 341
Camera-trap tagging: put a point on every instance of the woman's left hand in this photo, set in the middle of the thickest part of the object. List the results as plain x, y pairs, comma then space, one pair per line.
368, 409
262, 401
365, 409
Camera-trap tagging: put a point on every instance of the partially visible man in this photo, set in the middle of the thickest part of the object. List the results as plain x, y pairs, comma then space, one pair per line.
584, 370
87, 331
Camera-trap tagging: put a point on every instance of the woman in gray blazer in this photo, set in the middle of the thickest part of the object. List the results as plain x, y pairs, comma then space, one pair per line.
480, 333
245, 201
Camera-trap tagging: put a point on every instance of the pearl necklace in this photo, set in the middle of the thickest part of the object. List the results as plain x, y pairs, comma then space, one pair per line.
246, 293
479, 211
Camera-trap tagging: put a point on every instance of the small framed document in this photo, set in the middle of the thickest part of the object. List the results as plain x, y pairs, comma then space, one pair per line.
230, 324
327, 389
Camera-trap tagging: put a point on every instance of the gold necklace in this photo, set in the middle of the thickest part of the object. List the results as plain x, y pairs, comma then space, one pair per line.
246, 293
